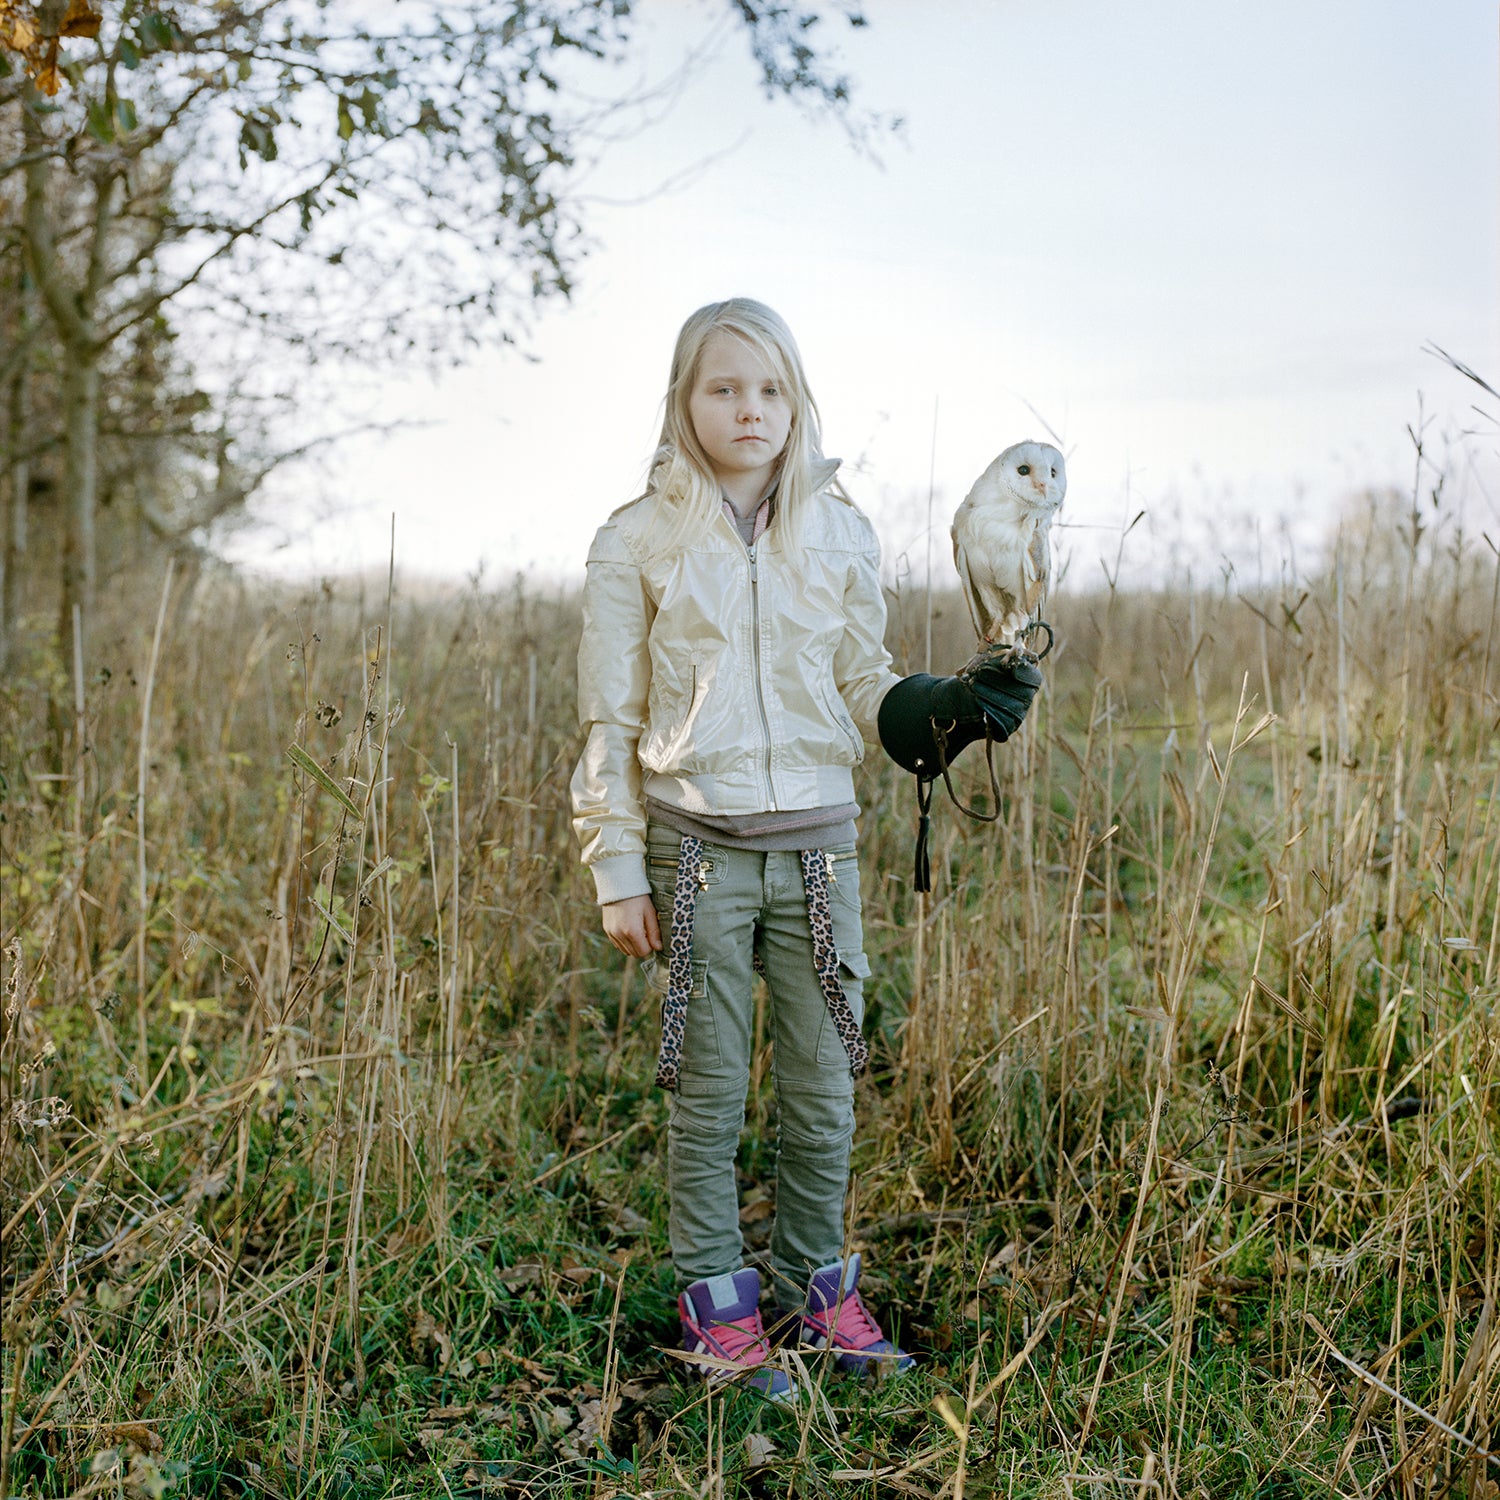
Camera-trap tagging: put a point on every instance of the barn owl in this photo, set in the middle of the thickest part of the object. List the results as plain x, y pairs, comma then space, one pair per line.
1000, 539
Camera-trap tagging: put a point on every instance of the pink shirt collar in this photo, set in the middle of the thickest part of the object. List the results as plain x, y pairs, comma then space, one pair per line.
762, 517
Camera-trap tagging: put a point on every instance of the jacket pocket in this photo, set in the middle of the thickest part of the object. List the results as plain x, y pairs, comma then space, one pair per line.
669, 734
833, 706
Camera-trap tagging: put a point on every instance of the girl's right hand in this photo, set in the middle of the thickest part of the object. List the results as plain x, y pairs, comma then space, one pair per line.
632, 927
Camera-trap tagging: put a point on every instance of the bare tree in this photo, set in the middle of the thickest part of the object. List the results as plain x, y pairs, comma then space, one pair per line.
376, 179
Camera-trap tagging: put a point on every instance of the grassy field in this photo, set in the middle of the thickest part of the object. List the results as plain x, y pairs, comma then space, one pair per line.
333, 1166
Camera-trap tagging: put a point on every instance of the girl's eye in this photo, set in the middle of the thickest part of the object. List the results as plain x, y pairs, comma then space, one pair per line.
1023, 468
772, 390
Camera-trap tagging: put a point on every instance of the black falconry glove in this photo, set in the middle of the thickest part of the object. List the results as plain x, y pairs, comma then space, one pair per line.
919, 706
925, 721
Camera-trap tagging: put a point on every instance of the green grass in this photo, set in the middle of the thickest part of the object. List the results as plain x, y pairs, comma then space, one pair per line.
377, 1207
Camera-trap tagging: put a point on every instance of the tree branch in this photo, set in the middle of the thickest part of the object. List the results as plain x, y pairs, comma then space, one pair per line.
235, 487
134, 313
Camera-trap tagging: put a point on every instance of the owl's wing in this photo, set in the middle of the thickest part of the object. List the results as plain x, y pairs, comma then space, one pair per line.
966, 581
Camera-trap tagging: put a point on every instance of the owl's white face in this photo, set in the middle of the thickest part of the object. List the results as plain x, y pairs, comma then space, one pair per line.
1035, 474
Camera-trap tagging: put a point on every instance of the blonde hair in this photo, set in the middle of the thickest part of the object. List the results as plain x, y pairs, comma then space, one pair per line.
682, 491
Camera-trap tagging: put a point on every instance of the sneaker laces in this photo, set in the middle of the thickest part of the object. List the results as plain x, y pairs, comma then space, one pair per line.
742, 1339
853, 1325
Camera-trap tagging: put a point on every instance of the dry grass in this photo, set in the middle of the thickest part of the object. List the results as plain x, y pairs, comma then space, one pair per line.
331, 1161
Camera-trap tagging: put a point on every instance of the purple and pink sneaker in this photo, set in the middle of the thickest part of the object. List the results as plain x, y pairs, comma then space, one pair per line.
836, 1318
721, 1319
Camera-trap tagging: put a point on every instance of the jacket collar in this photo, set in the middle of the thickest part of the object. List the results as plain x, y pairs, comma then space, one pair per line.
763, 513
823, 471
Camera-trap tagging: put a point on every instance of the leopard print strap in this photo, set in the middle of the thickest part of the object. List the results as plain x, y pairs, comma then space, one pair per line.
817, 871
679, 962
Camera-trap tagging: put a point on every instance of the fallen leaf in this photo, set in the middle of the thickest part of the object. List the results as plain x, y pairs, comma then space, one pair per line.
578, 1273
551, 1421
628, 1221
428, 1331
759, 1450
639, 1390
593, 1418
147, 1439
442, 1443
513, 1278
530, 1366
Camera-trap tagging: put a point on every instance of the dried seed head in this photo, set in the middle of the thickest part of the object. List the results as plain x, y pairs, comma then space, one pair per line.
16, 979
29, 1114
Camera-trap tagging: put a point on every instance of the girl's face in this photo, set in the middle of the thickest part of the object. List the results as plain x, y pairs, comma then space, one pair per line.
740, 411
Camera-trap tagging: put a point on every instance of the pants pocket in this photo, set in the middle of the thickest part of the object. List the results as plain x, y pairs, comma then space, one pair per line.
854, 969
700, 1042
659, 977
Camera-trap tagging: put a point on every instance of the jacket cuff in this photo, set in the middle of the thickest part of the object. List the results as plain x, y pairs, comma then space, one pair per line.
907, 714
905, 724
618, 877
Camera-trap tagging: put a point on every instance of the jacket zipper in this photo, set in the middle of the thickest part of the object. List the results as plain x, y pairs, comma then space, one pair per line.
760, 702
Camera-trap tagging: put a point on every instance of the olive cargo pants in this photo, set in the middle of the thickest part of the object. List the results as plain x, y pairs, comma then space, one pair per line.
752, 902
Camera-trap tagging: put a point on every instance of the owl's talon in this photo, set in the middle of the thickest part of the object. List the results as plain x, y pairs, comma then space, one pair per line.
1035, 656
999, 654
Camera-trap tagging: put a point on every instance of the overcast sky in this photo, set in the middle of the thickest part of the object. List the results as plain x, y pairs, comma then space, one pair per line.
1205, 243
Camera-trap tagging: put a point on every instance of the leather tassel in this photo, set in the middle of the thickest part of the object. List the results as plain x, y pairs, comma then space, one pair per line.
922, 873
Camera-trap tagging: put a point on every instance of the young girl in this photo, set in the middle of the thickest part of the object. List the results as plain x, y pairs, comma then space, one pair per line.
732, 666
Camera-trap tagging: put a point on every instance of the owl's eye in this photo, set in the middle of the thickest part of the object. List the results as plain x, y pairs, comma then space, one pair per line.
1023, 468
1054, 473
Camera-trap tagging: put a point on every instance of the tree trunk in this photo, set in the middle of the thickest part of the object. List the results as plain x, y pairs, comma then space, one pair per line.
80, 393
70, 303
13, 559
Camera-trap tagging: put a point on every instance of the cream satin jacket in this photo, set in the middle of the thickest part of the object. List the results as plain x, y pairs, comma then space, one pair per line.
724, 680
